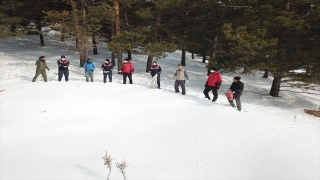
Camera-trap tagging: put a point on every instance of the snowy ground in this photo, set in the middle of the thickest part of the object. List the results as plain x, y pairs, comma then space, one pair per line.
58, 130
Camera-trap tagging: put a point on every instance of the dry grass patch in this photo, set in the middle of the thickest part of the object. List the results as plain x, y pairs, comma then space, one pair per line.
313, 112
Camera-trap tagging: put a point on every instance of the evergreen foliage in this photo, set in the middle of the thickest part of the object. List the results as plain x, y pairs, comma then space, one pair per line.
280, 36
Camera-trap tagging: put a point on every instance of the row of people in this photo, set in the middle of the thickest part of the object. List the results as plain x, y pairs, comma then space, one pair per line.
213, 82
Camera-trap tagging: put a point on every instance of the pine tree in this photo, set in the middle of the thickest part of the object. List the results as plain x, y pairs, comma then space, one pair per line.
10, 18
270, 38
83, 20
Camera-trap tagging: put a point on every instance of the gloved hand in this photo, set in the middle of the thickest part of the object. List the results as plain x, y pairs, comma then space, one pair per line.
218, 87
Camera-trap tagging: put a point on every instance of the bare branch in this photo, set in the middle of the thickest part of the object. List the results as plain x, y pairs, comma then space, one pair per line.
121, 167
108, 162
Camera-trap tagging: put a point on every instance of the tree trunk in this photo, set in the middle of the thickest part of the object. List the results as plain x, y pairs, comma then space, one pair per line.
81, 38
129, 54
192, 55
117, 27
204, 57
94, 45
149, 63
40, 32
113, 53
275, 88
309, 70
245, 70
119, 57
113, 57
214, 51
266, 73
183, 56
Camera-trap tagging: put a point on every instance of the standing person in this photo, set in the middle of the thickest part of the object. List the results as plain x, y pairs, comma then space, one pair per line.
63, 65
89, 69
237, 88
127, 70
181, 77
156, 70
107, 68
213, 83
41, 68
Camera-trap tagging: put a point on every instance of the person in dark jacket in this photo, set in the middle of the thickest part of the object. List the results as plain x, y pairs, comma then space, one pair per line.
41, 68
127, 70
237, 88
156, 70
107, 68
213, 84
63, 65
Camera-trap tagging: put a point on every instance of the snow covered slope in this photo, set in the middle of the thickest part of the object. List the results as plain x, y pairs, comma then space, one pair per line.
58, 130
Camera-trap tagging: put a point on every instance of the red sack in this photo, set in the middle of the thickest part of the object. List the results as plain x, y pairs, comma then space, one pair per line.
229, 95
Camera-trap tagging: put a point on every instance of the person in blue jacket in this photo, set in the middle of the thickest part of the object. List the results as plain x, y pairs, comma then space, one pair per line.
89, 69
107, 68
156, 69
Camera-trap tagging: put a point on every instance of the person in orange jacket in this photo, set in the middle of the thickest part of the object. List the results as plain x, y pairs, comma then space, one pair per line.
127, 70
213, 83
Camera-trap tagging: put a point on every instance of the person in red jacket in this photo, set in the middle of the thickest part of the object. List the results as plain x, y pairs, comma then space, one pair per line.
213, 83
127, 70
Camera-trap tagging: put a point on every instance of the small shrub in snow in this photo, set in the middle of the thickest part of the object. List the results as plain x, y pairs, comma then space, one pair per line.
108, 162
121, 167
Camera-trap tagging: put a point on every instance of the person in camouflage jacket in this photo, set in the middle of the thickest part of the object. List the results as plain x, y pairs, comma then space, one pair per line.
41, 69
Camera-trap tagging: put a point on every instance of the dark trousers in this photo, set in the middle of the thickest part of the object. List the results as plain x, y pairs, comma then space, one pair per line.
214, 92
158, 80
125, 75
64, 72
43, 73
236, 96
182, 84
105, 75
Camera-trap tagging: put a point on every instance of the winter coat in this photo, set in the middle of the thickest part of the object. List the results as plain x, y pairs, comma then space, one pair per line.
155, 69
61, 63
107, 67
89, 66
214, 79
127, 67
181, 74
41, 65
237, 87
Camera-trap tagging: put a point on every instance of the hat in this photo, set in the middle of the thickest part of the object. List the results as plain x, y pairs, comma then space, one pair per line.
214, 69
63, 56
237, 78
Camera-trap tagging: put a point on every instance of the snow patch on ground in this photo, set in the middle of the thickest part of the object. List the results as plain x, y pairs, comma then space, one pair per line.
60, 130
